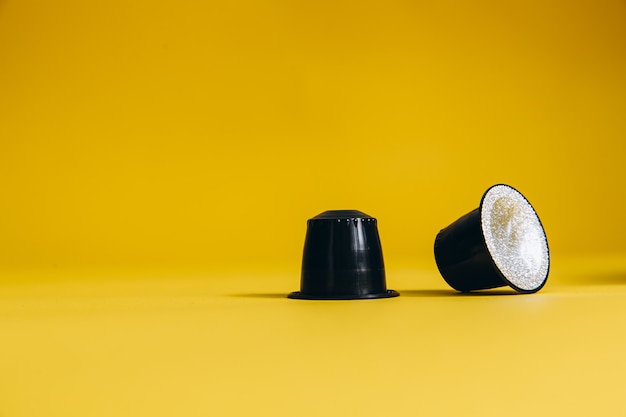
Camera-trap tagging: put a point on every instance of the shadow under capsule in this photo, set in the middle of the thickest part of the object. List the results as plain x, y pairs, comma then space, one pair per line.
259, 295
452, 293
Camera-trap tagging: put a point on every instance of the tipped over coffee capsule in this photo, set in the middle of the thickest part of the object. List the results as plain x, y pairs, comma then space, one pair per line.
500, 243
342, 259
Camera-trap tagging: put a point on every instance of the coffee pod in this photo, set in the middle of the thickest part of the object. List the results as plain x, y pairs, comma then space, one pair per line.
500, 243
342, 258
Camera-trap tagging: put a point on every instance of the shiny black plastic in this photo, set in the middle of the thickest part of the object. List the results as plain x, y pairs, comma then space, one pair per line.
462, 256
342, 258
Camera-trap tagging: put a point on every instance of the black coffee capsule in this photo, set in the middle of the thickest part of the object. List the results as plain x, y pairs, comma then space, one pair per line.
342, 258
500, 243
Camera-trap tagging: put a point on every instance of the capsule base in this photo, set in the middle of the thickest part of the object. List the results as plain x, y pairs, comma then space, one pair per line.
298, 295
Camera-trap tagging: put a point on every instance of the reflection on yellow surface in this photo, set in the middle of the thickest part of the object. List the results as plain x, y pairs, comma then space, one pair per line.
158, 162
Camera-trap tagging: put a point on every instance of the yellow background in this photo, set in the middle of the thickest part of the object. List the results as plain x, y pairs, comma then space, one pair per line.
159, 160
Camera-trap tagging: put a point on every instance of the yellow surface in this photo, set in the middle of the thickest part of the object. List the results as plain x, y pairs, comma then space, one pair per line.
198, 344
152, 132
158, 162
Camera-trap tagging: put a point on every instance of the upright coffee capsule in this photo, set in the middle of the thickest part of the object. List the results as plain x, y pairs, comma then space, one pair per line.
500, 243
342, 258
